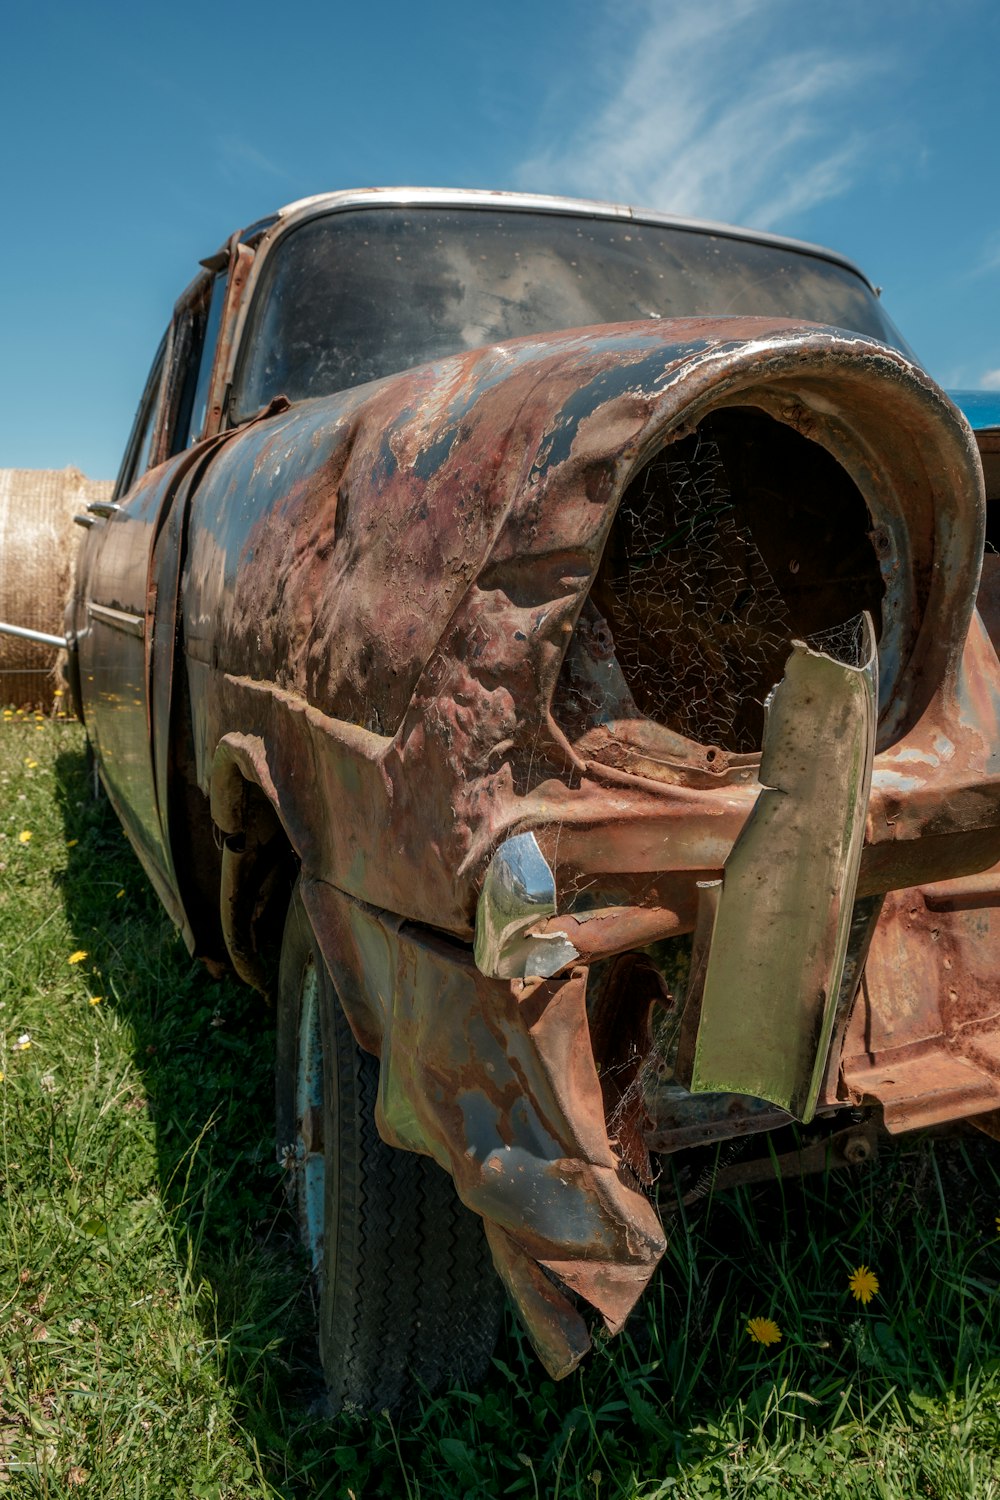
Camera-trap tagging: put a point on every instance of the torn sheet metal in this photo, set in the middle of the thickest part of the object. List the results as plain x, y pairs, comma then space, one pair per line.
777, 939
496, 1080
924, 1040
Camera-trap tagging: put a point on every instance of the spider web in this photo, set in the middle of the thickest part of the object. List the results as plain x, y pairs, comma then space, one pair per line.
845, 643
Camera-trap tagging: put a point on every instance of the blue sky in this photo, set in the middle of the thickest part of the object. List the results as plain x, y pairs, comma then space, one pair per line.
135, 140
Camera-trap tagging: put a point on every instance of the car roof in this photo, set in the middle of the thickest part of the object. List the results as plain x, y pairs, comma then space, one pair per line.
406, 197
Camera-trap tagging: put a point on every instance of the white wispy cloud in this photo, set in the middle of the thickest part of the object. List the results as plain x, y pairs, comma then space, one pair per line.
989, 380
237, 157
989, 260
710, 117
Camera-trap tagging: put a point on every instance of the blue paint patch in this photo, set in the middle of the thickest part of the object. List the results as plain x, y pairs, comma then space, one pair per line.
894, 781
913, 754
610, 384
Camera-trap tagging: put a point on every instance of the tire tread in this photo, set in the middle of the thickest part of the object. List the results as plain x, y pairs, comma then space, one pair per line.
416, 1300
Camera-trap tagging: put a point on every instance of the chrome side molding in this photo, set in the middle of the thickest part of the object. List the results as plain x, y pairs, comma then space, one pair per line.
120, 619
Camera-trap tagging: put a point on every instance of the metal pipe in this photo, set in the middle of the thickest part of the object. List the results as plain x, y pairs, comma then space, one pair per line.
59, 641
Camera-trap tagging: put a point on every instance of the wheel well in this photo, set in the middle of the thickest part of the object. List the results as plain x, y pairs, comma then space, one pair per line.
259, 869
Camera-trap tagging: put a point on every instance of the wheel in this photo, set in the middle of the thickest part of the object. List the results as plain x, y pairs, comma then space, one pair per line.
406, 1289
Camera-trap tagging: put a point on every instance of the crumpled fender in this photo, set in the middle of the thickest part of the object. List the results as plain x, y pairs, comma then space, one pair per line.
382, 584
496, 1080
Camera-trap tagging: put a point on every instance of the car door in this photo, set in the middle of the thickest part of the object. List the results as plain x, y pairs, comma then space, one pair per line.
124, 626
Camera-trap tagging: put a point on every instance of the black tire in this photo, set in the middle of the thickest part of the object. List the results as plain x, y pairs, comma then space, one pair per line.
407, 1293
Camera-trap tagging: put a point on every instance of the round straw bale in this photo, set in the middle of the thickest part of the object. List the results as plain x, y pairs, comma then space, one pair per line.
38, 543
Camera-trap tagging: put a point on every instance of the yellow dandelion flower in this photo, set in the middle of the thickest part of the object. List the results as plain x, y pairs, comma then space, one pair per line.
863, 1284
119, 895
997, 1223
23, 1042
764, 1331
96, 999
24, 837
1, 1077
72, 843
77, 957
31, 764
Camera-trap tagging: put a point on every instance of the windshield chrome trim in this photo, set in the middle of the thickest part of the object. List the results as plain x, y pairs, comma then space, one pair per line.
406, 197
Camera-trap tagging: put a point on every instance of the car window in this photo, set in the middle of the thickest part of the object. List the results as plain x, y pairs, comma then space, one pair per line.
349, 297
191, 427
140, 443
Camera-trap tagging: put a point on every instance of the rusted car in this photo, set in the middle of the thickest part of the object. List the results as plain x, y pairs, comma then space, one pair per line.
536, 642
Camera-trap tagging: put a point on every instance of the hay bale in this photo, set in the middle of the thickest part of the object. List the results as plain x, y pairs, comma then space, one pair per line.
38, 543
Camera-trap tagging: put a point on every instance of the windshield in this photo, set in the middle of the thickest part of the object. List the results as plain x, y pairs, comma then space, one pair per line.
352, 296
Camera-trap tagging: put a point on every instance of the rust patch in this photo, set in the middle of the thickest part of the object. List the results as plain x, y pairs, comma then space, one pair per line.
924, 1041
496, 1080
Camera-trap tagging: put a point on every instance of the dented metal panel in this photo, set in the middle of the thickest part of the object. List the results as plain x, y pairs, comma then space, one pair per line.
758, 1024
495, 1079
353, 565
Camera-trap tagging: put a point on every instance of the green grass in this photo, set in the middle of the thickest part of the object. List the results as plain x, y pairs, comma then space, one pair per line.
155, 1320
